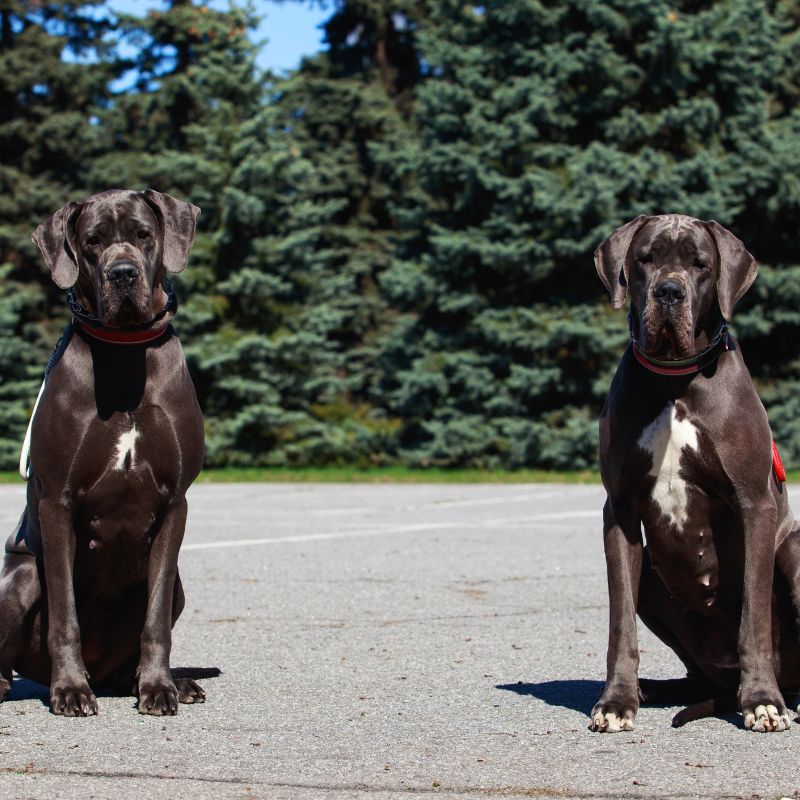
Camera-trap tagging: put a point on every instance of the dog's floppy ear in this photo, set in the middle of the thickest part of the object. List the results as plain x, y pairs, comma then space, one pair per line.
737, 268
177, 220
611, 259
55, 237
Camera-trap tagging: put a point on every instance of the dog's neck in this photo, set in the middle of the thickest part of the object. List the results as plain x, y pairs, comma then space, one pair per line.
145, 333
719, 342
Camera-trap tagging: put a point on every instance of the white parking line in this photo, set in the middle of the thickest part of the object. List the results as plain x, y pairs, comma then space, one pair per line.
424, 526
534, 518
436, 504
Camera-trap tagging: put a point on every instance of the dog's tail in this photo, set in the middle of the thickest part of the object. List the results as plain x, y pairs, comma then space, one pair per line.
674, 691
195, 673
694, 691
713, 707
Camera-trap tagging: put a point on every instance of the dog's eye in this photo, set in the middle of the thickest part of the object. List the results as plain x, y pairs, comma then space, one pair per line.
143, 234
700, 264
92, 241
645, 258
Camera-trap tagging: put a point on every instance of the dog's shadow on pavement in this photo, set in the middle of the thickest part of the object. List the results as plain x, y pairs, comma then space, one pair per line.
25, 689
579, 695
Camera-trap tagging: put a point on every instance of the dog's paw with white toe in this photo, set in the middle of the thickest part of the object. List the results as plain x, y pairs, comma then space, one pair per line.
609, 721
766, 719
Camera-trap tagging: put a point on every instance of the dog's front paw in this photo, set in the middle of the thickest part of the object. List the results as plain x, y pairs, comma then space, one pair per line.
189, 691
72, 701
766, 718
159, 698
611, 718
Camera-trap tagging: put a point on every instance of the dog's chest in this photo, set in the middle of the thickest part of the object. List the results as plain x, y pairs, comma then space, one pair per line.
123, 450
132, 460
669, 440
130, 444
123, 455
680, 519
118, 513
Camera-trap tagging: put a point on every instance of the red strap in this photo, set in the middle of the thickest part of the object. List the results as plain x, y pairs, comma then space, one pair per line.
777, 464
113, 336
664, 370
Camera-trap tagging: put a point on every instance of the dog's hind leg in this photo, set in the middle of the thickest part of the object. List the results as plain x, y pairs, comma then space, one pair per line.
189, 691
123, 681
786, 590
705, 695
787, 563
661, 614
20, 592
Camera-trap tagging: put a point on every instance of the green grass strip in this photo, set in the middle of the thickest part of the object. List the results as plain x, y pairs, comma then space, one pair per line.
375, 475
387, 475
391, 475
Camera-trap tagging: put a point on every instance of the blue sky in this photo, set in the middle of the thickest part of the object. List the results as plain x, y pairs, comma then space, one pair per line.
291, 28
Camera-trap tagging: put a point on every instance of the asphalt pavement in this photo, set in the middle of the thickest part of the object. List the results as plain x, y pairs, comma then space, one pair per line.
384, 641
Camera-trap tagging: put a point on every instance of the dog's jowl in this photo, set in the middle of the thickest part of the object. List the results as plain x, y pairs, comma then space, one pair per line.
90, 588
686, 455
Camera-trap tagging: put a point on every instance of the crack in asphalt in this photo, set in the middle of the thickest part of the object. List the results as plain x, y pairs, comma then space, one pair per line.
434, 789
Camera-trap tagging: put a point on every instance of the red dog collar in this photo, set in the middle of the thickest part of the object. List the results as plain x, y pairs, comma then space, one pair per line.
114, 336
687, 366
663, 367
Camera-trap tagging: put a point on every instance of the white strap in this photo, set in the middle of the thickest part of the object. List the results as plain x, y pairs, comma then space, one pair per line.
24, 472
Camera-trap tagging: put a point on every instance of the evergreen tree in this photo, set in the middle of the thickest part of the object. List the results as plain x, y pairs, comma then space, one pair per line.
177, 130
394, 257
55, 67
294, 366
542, 127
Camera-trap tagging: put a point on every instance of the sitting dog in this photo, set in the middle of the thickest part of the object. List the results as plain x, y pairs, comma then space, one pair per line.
89, 588
686, 453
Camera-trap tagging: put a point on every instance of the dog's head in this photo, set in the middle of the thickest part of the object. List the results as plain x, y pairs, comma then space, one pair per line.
115, 249
683, 275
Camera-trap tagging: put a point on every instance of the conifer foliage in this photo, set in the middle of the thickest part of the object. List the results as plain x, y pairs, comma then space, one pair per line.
294, 365
54, 80
394, 260
541, 127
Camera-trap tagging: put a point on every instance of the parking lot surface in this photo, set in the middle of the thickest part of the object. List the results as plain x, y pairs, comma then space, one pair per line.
388, 641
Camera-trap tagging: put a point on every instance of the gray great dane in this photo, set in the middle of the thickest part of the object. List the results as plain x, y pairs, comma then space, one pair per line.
686, 453
89, 588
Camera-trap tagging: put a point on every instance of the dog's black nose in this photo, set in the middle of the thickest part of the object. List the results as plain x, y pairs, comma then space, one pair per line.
123, 273
669, 293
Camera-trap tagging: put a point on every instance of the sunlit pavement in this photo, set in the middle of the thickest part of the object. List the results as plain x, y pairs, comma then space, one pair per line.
385, 640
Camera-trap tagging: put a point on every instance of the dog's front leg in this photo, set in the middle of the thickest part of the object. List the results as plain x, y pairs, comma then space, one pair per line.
762, 704
70, 694
155, 687
622, 539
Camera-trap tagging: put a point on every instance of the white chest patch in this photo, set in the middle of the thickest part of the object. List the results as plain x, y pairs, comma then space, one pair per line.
126, 449
664, 439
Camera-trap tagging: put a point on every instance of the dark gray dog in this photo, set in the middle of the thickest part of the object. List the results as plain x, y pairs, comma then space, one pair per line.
90, 583
686, 452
